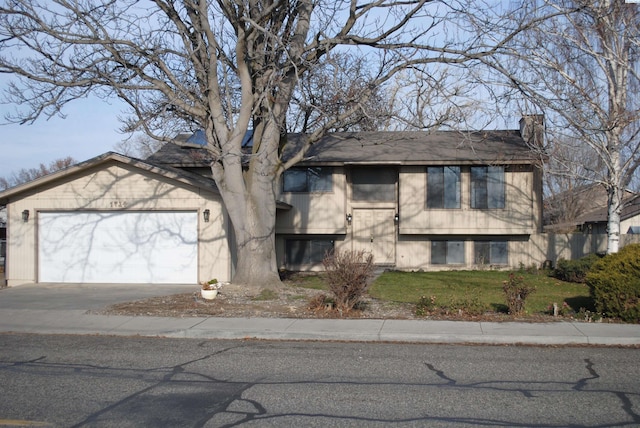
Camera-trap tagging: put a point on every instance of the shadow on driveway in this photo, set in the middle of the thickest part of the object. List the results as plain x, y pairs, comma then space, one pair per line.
83, 296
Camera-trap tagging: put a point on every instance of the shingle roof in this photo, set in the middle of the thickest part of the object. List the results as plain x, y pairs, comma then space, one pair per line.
182, 155
631, 208
421, 148
408, 148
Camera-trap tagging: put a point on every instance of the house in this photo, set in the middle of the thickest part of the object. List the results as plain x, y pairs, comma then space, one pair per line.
415, 200
595, 221
114, 219
584, 209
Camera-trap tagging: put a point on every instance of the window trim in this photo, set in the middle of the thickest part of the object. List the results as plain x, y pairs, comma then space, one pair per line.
327, 170
308, 242
392, 172
446, 255
458, 184
487, 182
491, 242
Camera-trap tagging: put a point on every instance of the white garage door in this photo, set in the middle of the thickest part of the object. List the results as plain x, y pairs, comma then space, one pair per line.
118, 247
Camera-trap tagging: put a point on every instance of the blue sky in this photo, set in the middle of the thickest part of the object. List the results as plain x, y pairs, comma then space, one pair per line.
89, 129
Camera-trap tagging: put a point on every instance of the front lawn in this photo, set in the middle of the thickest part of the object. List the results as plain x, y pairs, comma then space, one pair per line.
478, 288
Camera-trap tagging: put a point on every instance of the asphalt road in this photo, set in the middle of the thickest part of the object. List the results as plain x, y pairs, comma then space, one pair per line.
78, 381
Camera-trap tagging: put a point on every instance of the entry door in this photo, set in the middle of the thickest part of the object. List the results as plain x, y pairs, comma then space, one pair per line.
374, 231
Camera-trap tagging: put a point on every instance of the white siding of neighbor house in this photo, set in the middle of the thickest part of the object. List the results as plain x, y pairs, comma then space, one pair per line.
116, 187
632, 221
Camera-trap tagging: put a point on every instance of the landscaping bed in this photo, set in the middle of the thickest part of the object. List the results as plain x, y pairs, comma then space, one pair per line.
469, 296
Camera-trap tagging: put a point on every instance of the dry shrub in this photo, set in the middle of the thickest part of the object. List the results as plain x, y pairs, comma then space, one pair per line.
516, 292
320, 302
348, 275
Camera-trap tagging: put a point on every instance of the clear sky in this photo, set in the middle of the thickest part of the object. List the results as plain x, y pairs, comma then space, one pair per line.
90, 129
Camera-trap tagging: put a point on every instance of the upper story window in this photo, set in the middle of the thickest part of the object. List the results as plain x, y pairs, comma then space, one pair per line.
487, 187
443, 187
374, 184
312, 179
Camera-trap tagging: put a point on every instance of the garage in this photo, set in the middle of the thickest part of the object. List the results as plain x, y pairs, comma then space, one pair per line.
154, 247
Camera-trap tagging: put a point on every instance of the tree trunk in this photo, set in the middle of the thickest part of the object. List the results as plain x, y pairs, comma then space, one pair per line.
613, 220
249, 195
256, 255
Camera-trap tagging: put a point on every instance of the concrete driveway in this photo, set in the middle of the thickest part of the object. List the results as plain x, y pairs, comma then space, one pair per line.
82, 296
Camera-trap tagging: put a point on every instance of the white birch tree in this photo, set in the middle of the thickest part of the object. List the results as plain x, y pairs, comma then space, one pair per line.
225, 66
581, 69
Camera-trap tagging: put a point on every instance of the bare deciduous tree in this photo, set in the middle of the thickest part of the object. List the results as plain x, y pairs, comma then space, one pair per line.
223, 67
334, 87
581, 68
26, 175
141, 146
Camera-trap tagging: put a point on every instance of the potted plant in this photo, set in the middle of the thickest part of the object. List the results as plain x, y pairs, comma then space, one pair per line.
210, 289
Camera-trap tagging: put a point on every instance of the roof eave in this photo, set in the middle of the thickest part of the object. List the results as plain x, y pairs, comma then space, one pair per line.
6, 195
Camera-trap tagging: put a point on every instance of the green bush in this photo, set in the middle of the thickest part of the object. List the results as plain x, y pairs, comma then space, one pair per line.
614, 282
575, 270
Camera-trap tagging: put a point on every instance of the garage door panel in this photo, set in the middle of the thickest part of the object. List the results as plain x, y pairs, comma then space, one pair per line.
119, 247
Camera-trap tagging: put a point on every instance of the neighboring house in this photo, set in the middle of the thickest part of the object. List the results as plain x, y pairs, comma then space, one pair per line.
584, 209
416, 200
596, 221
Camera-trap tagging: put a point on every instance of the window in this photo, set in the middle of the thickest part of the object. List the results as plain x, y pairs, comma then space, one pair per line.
318, 179
443, 187
307, 251
447, 252
374, 184
487, 187
491, 252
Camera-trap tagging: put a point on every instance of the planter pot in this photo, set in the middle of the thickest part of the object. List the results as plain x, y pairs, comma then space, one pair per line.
208, 294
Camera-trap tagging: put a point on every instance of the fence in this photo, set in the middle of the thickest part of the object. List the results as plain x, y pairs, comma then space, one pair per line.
571, 246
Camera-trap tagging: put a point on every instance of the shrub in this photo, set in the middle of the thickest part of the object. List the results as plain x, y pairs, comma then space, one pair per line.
614, 283
516, 292
425, 305
348, 276
575, 270
469, 305
320, 302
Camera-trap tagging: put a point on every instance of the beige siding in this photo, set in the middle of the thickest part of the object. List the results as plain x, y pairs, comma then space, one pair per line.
117, 187
315, 213
519, 216
414, 253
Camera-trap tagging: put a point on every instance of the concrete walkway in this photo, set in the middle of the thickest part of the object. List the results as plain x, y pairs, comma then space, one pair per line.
65, 309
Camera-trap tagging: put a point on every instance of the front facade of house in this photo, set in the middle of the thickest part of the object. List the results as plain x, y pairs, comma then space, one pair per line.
463, 201
415, 200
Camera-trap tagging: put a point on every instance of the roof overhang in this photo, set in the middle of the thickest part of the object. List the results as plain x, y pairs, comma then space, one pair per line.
106, 158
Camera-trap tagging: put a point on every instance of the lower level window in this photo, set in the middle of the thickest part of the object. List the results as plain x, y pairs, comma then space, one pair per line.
491, 252
447, 252
307, 251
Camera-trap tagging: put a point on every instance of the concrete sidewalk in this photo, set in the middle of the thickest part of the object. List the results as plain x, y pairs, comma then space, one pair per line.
66, 310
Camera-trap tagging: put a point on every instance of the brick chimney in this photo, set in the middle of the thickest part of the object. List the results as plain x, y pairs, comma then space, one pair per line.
532, 129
